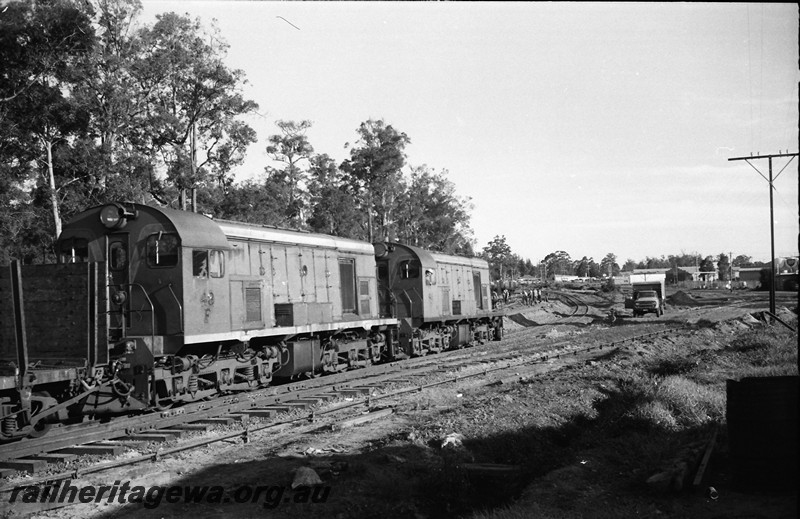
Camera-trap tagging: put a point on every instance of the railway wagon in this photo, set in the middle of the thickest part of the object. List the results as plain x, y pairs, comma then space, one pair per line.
149, 307
441, 301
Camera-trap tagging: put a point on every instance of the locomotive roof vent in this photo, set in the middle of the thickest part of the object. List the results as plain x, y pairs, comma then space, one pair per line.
115, 216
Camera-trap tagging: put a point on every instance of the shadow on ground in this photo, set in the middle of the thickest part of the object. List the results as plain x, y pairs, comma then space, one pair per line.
599, 461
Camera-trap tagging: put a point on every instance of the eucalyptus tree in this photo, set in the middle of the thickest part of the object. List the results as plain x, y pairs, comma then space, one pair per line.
40, 45
374, 173
250, 201
558, 263
332, 209
585, 267
497, 252
193, 102
292, 148
430, 214
609, 266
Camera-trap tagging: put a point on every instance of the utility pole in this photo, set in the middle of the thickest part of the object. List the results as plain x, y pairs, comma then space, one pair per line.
194, 169
770, 180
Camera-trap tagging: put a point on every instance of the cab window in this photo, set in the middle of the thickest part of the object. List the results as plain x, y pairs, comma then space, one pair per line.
207, 263
409, 270
162, 250
117, 256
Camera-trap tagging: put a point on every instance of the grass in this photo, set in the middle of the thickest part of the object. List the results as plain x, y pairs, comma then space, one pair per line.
676, 402
645, 412
586, 437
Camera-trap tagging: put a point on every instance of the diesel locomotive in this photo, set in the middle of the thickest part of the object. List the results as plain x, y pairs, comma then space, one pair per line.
150, 307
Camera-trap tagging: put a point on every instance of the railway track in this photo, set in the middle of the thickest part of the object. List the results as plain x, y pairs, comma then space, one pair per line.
579, 311
579, 307
292, 403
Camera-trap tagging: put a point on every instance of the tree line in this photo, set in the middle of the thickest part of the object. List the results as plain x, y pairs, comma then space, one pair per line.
97, 107
505, 264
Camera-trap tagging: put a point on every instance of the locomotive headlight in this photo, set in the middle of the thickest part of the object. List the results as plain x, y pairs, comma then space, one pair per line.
130, 347
115, 216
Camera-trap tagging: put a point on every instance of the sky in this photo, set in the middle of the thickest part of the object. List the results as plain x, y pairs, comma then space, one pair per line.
591, 128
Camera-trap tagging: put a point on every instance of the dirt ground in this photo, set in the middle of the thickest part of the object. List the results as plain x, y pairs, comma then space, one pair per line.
567, 444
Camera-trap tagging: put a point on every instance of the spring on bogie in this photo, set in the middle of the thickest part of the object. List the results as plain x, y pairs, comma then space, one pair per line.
9, 425
192, 384
248, 373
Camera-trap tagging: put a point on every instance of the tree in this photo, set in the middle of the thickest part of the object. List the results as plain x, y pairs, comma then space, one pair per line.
724, 267
742, 260
609, 266
530, 268
40, 44
629, 265
557, 263
250, 202
586, 267
581, 267
108, 86
17, 216
594, 269
291, 147
373, 171
431, 215
707, 265
522, 266
332, 207
497, 252
685, 260
91, 103
193, 103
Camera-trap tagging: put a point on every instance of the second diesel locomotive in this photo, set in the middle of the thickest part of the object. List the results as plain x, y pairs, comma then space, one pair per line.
441, 301
151, 307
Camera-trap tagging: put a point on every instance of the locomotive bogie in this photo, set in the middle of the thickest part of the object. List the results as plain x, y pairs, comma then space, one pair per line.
332, 353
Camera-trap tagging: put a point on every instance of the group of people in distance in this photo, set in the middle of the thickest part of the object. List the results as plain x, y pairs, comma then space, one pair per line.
531, 296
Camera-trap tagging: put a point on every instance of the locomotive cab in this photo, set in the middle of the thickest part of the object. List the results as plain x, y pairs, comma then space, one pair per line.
155, 261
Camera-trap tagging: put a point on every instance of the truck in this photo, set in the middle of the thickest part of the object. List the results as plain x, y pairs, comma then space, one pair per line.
646, 294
